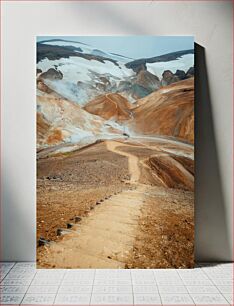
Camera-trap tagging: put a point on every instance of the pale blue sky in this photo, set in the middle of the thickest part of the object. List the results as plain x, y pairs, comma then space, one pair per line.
133, 46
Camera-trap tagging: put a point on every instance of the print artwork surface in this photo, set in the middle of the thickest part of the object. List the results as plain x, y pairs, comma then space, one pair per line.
115, 152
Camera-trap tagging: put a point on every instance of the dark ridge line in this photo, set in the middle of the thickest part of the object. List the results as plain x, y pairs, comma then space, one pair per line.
160, 58
59, 39
121, 55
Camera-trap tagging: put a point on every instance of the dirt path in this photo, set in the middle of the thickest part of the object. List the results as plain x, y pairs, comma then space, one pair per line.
133, 166
105, 238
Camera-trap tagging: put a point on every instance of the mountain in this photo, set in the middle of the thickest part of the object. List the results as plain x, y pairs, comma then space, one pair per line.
110, 106
80, 72
84, 48
171, 171
79, 76
111, 93
148, 80
44, 90
52, 74
60, 120
168, 77
53, 52
140, 64
168, 111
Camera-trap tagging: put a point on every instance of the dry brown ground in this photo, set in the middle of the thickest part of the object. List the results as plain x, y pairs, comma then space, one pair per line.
69, 184
166, 231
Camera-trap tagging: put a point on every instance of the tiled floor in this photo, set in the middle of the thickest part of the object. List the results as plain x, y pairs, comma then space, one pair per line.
208, 284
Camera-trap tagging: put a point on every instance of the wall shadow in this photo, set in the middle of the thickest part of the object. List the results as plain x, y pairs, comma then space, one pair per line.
18, 225
211, 232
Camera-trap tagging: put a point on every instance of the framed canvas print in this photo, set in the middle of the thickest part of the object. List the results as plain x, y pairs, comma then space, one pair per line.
115, 152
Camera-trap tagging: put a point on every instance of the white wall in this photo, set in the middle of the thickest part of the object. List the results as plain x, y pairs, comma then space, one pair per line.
211, 24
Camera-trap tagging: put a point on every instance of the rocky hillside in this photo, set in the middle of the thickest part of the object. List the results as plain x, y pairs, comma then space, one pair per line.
168, 111
84, 92
60, 120
80, 73
109, 106
171, 172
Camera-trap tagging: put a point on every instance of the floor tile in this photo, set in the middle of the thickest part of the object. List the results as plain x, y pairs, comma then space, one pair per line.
3, 275
225, 289
143, 282
13, 289
23, 269
145, 289
51, 274
195, 277
209, 299
54, 271
229, 298
167, 276
57, 277
178, 299
171, 289
75, 289
197, 282
46, 282
222, 282
143, 276
165, 270
16, 282
20, 276
82, 271
4, 269
11, 299
72, 299
112, 282
220, 276
147, 299
112, 289
76, 275
207, 285
112, 273
43, 289
170, 282
74, 278
112, 299
202, 289
26, 264
77, 282
7, 264
142, 273
39, 299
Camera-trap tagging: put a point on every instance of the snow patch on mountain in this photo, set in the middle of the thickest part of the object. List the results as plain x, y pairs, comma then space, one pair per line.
87, 49
183, 63
70, 91
76, 70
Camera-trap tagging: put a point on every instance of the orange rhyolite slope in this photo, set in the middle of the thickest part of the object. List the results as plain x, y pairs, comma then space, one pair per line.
111, 105
168, 111
61, 120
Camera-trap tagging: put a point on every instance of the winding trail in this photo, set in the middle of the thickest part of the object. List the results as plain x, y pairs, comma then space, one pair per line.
133, 166
104, 238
